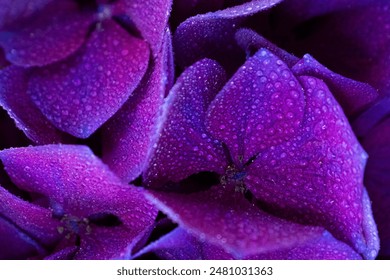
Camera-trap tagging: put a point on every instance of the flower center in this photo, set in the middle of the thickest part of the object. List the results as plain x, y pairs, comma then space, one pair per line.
72, 225
234, 177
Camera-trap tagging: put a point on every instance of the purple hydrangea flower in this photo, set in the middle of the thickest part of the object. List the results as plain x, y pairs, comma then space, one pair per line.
77, 207
261, 149
274, 132
75, 63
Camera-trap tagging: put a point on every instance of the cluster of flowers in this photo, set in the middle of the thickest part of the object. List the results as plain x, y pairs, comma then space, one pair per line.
195, 129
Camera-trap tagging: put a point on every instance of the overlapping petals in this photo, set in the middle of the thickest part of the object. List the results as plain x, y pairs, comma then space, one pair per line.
299, 116
83, 203
211, 35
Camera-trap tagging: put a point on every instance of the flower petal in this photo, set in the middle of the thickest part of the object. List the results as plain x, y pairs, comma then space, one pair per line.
34, 224
58, 31
71, 177
352, 42
225, 218
14, 99
184, 147
129, 136
211, 35
377, 179
352, 95
150, 17
180, 245
261, 106
317, 176
81, 93
12, 11
15, 244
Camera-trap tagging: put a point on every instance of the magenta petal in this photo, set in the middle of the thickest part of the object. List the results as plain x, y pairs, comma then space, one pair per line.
317, 176
377, 179
149, 16
261, 106
250, 41
14, 99
15, 244
180, 245
68, 175
225, 218
211, 35
12, 11
352, 95
129, 136
184, 147
322, 247
58, 31
81, 93
34, 222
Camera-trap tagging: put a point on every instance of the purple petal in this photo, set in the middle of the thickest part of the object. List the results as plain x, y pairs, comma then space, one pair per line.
54, 34
16, 10
72, 177
212, 35
79, 185
129, 136
317, 176
180, 245
34, 223
353, 96
372, 116
184, 147
225, 218
353, 42
150, 17
377, 179
250, 41
261, 106
15, 244
323, 247
81, 93
28, 118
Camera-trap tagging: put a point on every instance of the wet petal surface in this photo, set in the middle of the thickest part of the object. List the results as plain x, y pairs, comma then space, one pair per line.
184, 147
261, 105
149, 16
225, 218
58, 31
377, 179
317, 176
15, 100
211, 35
129, 136
77, 103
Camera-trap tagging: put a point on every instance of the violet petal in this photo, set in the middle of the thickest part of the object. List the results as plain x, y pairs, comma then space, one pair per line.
225, 218
261, 106
129, 136
180, 245
150, 17
352, 95
377, 179
212, 35
34, 221
184, 147
54, 34
28, 118
15, 244
317, 176
81, 93
13, 11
